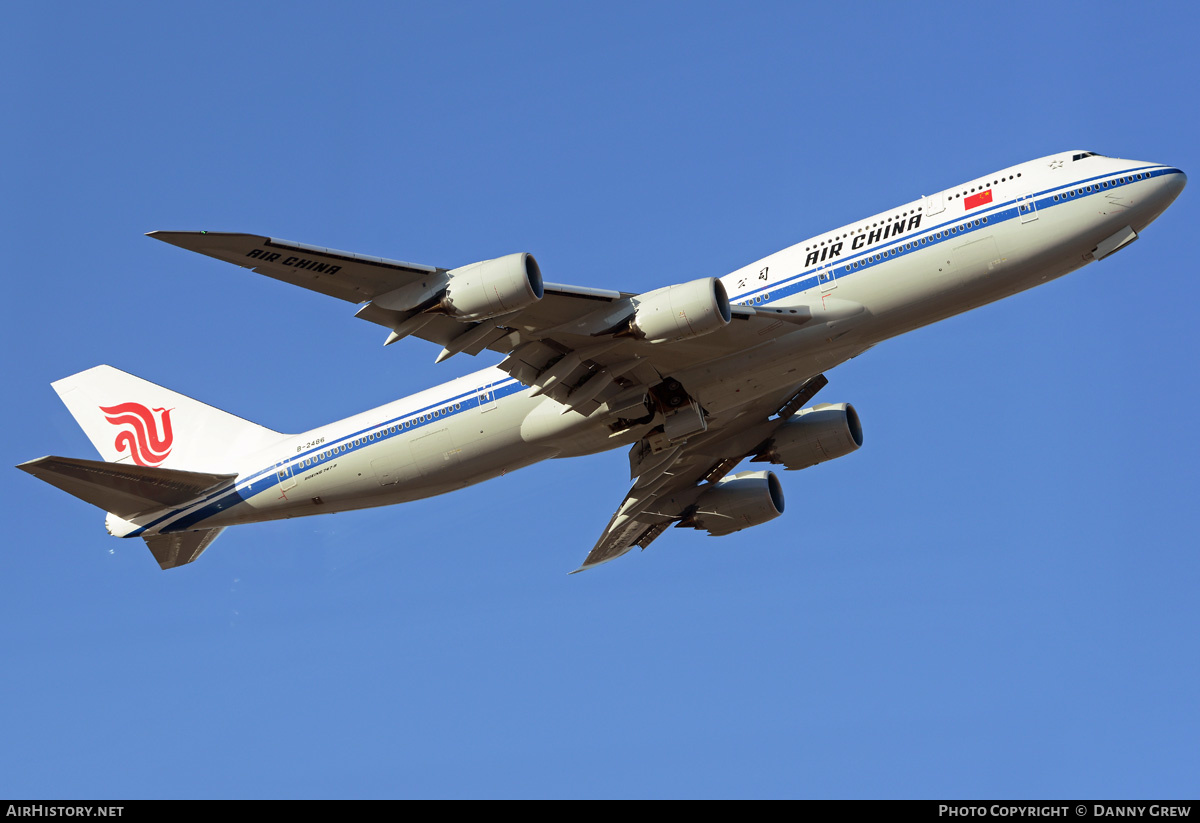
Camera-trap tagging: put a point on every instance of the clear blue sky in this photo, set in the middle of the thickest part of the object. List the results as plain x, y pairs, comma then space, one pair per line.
996, 596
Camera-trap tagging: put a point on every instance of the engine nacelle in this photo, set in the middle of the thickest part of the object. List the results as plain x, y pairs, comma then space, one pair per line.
492, 287
681, 312
815, 435
738, 502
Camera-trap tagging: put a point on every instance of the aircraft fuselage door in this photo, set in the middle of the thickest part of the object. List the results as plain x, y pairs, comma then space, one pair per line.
1027, 208
487, 399
827, 277
287, 480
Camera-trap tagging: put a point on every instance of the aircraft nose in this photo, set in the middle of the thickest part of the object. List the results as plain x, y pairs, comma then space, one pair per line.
1173, 184
1165, 187
1169, 185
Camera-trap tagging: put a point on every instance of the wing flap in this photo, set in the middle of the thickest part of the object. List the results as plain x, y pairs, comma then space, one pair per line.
667, 485
618, 539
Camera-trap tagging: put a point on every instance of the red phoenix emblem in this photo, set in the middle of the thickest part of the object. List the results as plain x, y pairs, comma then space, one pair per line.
148, 435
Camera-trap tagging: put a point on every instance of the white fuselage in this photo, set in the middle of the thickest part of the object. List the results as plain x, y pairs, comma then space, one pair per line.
887, 274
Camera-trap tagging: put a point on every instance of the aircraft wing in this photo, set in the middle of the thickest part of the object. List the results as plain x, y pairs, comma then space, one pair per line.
341, 274
565, 344
667, 485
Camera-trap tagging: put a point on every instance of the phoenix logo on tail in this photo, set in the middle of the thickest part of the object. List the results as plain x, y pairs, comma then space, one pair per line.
148, 440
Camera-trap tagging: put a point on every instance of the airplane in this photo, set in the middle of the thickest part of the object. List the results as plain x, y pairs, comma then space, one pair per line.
694, 377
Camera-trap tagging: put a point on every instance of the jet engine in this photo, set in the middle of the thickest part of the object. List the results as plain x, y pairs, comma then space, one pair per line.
492, 287
681, 312
737, 502
813, 436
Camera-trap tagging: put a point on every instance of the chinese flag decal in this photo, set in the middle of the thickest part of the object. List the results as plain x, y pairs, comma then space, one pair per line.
978, 199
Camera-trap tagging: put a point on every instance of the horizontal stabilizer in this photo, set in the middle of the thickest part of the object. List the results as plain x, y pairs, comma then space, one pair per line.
124, 489
180, 548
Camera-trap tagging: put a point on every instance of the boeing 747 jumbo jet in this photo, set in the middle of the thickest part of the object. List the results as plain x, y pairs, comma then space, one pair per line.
694, 378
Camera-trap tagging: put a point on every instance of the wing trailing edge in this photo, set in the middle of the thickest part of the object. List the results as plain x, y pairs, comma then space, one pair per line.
667, 483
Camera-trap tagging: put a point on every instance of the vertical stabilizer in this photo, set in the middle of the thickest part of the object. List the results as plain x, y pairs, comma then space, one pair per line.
130, 420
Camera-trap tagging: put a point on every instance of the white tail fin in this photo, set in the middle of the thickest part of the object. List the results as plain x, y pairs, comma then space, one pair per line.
130, 420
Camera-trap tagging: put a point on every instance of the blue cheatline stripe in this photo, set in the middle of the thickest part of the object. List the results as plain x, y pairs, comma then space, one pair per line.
266, 478
893, 248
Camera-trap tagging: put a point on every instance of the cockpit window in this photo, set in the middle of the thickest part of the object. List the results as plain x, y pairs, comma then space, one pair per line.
1082, 155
